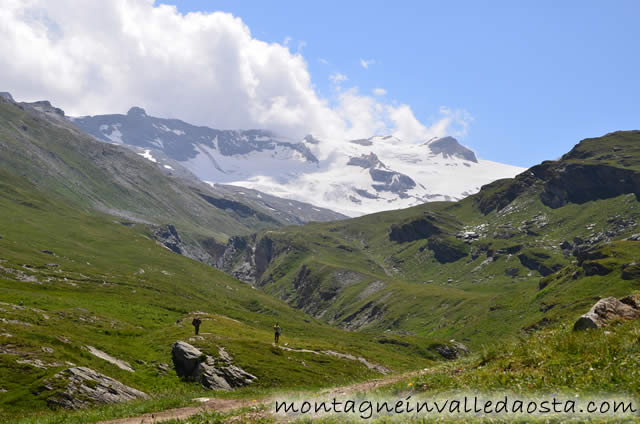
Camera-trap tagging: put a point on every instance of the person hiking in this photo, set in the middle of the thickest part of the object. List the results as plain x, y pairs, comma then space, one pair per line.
196, 323
276, 332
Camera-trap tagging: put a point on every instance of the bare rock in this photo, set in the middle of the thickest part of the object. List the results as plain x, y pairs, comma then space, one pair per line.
607, 310
451, 350
80, 387
191, 364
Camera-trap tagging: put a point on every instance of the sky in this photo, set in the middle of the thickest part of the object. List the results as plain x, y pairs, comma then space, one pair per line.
518, 82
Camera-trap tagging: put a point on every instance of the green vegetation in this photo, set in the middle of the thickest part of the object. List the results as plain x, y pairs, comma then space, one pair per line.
515, 264
415, 272
85, 280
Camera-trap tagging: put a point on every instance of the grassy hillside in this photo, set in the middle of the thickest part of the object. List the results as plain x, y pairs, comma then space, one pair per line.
38, 143
71, 279
520, 255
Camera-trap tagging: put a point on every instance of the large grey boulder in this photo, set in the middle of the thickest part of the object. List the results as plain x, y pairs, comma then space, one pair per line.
186, 359
607, 310
80, 387
213, 373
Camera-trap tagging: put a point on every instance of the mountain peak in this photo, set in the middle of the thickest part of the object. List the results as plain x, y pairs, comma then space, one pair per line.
449, 146
136, 111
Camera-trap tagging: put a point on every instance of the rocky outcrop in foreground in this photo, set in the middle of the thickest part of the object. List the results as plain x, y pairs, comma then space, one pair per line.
608, 310
80, 387
213, 373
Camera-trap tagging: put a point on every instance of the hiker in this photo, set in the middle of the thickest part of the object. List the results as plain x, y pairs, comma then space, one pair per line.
196, 323
276, 332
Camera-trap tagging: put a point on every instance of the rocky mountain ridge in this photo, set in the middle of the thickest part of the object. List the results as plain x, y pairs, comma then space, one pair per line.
326, 173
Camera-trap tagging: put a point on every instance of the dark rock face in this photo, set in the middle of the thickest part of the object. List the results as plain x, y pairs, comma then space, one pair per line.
362, 142
83, 387
306, 284
607, 310
631, 271
366, 161
579, 184
561, 183
389, 180
263, 256
585, 252
365, 315
446, 251
451, 350
169, 237
191, 364
392, 181
181, 141
595, 268
449, 147
512, 272
7, 96
414, 230
241, 209
237, 259
535, 261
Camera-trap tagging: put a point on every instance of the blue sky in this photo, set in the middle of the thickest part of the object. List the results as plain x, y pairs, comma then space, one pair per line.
536, 76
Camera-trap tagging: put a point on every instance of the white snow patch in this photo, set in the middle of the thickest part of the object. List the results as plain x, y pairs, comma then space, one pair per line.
147, 155
115, 135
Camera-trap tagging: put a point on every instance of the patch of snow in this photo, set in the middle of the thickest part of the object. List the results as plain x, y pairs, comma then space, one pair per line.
115, 135
147, 155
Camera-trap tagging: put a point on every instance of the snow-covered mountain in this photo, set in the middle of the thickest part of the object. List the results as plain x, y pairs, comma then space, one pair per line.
351, 177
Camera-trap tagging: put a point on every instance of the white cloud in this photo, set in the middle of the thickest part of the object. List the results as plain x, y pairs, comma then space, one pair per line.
379, 91
287, 40
94, 57
338, 78
323, 61
365, 63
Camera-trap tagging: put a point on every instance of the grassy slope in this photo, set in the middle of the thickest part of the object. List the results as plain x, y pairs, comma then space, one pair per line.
97, 295
468, 299
559, 362
62, 161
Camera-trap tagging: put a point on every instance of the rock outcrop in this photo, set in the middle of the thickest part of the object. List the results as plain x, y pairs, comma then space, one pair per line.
608, 310
449, 147
446, 249
417, 229
80, 387
213, 373
451, 350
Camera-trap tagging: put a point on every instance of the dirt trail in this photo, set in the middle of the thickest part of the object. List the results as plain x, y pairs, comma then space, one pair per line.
226, 405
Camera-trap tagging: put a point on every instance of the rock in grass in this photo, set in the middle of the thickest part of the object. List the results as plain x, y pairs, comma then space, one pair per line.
80, 387
191, 364
451, 350
607, 310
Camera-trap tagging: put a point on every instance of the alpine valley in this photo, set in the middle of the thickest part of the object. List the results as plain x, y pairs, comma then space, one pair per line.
110, 249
